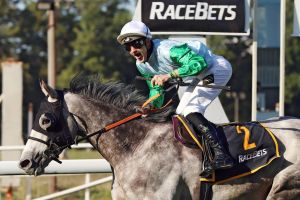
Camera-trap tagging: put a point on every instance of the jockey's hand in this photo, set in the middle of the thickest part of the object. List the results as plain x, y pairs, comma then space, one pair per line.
143, 110
160, 79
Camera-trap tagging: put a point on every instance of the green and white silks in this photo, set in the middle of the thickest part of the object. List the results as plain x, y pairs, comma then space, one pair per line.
188, 60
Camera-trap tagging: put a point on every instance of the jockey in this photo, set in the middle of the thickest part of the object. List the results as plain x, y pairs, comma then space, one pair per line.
162, 60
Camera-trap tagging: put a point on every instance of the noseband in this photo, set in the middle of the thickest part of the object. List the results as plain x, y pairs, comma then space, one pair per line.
52, 151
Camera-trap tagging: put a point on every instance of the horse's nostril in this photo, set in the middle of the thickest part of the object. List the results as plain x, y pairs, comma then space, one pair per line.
24, 163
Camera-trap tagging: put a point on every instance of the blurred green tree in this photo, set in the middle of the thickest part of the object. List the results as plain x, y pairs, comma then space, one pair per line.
85, 39
236, 50
95, 49
292, 67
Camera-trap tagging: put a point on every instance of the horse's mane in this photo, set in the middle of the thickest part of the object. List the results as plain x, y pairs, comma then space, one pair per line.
117, 94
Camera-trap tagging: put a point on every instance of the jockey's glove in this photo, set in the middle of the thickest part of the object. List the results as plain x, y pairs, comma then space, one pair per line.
144, 110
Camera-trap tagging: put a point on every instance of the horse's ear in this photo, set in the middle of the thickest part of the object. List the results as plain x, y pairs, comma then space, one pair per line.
48, 91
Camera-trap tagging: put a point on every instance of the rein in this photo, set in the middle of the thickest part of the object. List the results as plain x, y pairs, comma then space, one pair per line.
127, 119
109, 127
53, 150
120, 122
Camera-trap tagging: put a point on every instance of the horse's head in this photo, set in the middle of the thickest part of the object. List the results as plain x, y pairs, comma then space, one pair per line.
53, 130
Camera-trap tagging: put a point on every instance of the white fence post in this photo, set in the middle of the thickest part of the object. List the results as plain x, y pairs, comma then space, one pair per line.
12, 90
29, 124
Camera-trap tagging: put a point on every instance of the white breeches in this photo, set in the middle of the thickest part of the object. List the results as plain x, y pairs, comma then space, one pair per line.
196, 99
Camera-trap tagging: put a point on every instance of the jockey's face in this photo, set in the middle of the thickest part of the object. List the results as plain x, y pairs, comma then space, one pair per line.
139, 49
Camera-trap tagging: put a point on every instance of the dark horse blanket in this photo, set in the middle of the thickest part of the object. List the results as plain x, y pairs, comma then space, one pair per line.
251, 145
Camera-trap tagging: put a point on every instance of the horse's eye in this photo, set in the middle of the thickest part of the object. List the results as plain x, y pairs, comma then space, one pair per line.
46, 121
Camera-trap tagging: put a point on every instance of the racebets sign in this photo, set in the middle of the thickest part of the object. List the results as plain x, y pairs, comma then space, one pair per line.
228, 17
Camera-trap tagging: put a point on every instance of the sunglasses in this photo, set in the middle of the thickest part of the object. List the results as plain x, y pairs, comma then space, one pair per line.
137, 44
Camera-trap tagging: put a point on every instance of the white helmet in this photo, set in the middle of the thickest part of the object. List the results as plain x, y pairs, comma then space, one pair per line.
133, 30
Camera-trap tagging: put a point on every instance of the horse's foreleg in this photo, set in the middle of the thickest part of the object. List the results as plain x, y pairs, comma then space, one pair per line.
117, 192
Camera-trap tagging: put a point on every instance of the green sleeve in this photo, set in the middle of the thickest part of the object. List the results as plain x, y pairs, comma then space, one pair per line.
158, 102
190, 62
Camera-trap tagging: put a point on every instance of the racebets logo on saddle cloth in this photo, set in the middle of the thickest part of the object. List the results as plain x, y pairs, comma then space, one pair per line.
251, 145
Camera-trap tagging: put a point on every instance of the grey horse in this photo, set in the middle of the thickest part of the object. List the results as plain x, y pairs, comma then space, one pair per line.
148, 162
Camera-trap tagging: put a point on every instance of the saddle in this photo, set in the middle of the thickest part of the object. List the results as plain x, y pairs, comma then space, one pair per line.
251, 145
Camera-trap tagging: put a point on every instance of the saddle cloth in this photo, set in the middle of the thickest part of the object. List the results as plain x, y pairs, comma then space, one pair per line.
251, 145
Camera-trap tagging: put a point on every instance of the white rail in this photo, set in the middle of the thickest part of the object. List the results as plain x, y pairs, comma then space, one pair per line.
21, 147
8, 168
75, 189
78, 166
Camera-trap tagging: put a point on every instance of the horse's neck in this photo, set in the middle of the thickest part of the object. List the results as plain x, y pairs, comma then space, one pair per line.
91, 116
114, 144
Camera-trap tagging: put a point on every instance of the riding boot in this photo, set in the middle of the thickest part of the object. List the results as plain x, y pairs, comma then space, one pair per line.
206, 166
221, 159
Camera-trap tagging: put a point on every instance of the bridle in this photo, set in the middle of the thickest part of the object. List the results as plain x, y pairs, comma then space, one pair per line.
53, 150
